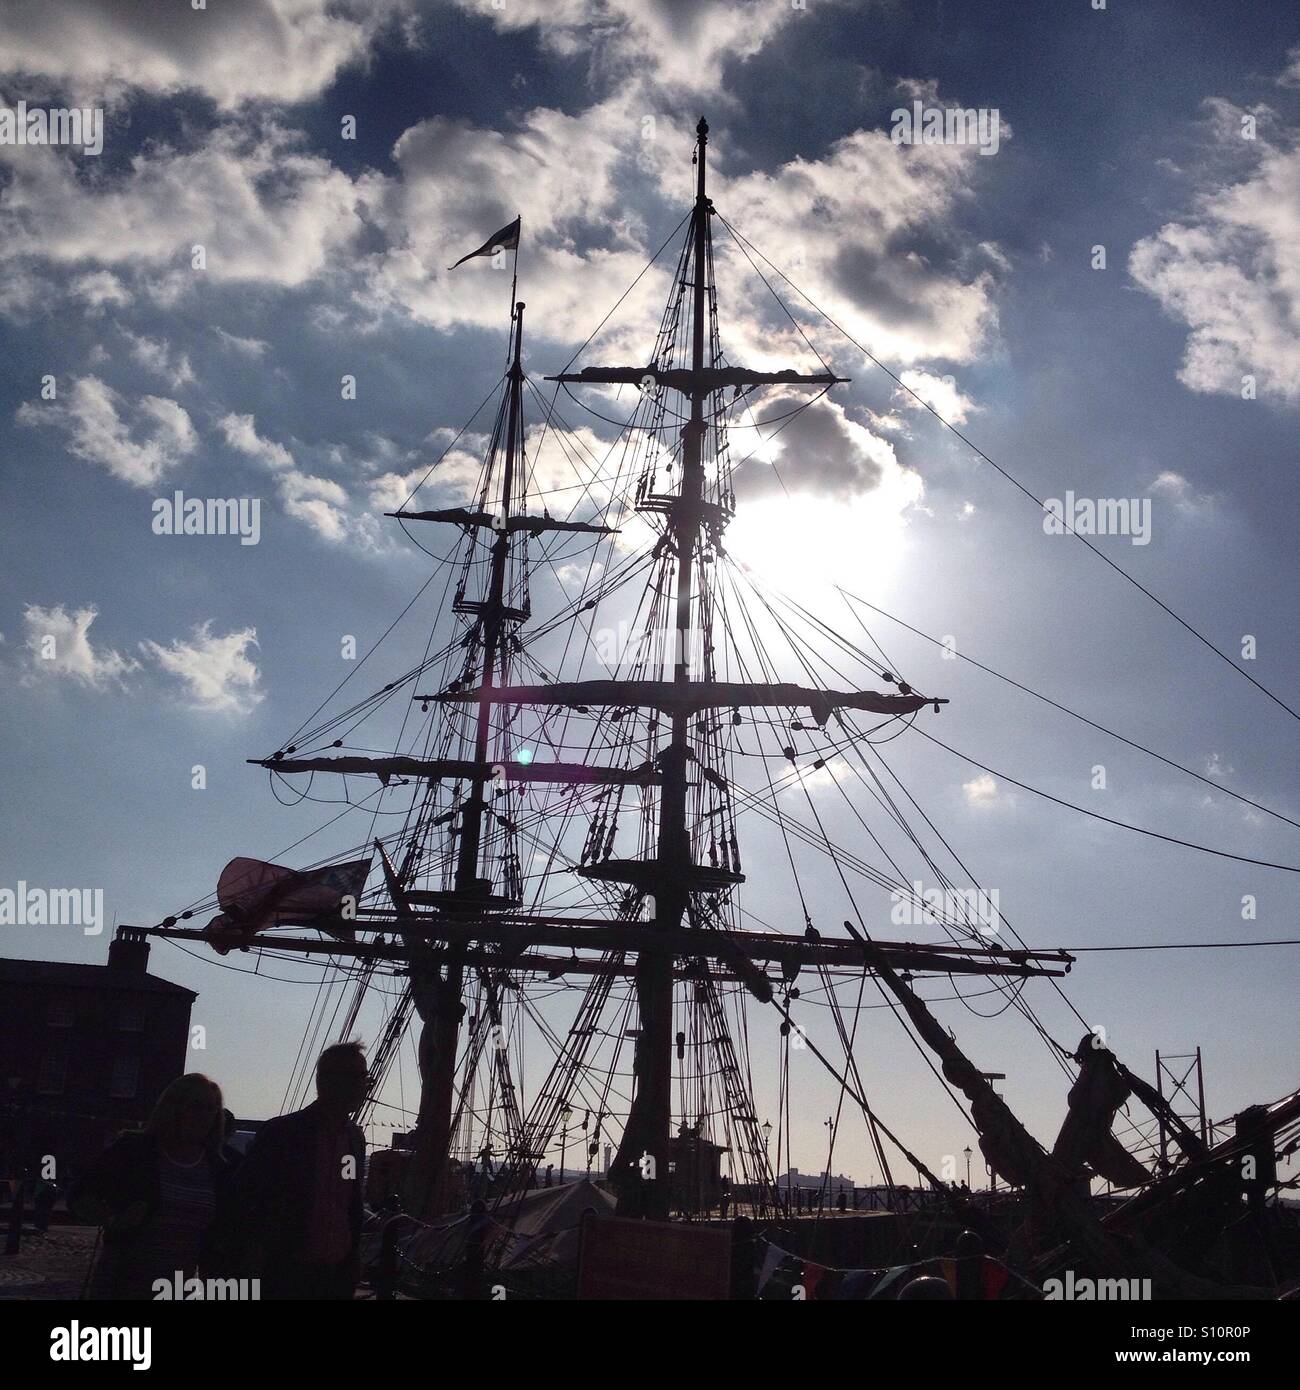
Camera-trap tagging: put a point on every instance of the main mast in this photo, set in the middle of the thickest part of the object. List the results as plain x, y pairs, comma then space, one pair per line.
640, 1171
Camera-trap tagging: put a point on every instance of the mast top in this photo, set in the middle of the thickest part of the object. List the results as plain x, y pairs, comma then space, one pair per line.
702, 130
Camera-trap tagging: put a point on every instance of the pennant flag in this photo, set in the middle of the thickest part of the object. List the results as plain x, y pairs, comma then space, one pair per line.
253, 895
504, 240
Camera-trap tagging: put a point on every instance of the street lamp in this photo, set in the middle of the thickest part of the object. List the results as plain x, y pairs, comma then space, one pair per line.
564, 1136
967, 1152
767, 1155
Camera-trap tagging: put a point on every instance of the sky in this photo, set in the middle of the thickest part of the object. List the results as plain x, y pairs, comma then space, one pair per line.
1106, 302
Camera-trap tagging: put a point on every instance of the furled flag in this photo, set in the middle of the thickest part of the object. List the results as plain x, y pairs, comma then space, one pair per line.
504, 240
253, 895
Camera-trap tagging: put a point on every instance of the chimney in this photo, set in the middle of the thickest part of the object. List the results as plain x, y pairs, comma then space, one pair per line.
129, 950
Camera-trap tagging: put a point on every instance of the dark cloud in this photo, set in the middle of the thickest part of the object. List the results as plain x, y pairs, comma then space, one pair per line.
820, 451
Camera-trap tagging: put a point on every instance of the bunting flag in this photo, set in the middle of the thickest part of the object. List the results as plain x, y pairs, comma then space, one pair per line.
253, 895
507, 239
783, 1277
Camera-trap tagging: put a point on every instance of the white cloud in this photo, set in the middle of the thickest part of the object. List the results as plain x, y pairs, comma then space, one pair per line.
136, 445
981, 791
668, 42
58, 644
231, 50
320, 503
1180, 491
99, 289
155, 354
247, 347
1228, 268
259, 207
862, 230
940, 393
458, 183
1216, 767
216, 672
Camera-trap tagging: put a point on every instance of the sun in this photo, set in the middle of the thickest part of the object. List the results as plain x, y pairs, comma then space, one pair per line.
802, 543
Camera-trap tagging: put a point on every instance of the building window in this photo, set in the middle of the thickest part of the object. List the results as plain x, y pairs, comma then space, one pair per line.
53, 1074
59, 1013
130, 1017
126, 1077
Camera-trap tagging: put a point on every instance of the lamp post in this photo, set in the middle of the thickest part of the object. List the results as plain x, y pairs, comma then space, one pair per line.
767, 1158
564, 1136
967, 1152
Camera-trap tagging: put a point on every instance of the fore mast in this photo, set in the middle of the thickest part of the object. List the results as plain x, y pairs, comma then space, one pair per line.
437, 988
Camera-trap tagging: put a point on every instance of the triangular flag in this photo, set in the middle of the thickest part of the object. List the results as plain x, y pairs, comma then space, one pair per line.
505, 240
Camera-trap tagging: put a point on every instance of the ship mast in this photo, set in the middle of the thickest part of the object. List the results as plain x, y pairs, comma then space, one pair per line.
640, 1172
438, 989
643, 1186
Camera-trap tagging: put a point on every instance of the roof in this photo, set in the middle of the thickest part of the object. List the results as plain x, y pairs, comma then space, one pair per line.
73, 975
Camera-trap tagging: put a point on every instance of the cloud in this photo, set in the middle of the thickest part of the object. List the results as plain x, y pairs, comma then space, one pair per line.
232, 51
155, 355
1216, 767
866, 229
247, 347
1291, 77
260, 208
1228, 270
136, 445
1177, 488
216, 672
819, 450
981, 791
320, 503
669, 43
100, 289
58, 644
583, 244
940, 393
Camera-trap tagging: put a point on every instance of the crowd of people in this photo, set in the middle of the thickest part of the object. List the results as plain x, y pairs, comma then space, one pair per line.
177, 1199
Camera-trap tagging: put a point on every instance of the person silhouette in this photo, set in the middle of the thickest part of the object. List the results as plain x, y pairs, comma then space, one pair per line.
297, 1197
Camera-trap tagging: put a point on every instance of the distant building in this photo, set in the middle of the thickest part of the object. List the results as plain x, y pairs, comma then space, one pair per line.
85, 1051
794, 1179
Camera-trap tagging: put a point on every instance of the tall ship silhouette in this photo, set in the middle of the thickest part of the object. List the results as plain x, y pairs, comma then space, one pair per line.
562, 802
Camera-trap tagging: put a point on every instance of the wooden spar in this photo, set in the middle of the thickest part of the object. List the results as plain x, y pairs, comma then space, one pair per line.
507, 931
469, 770
690, 697
695, 381
1007, 1144
533, 525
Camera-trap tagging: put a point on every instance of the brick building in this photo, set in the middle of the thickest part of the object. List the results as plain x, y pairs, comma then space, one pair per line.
85, 1051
